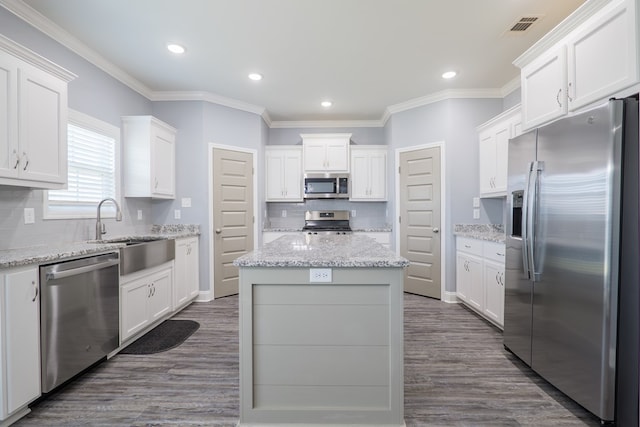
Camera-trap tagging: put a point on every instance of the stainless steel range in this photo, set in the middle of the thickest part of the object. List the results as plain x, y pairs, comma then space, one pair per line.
326, 222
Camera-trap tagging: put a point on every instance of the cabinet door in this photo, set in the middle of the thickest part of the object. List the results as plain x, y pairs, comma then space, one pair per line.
134, 313
274, 176
463, 277
9, 159
292, 175
487, 162
494, 291
360, 175
337, 155
502, 135
162, 163
193, 270
42, 121
603, 57
160, 294
544, 83
378, 175
22, 308
181, 273
476, 285
314, 156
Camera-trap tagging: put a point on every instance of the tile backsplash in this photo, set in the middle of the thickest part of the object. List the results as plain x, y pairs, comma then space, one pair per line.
368, 214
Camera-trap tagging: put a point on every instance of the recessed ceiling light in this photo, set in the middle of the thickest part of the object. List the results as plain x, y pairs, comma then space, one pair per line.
449, 75
175, 48
255, 76
326, 104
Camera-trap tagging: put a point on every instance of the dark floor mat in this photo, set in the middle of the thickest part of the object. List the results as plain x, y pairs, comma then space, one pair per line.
167, 335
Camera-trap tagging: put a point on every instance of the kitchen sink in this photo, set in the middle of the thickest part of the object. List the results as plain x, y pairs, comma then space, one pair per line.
140, 254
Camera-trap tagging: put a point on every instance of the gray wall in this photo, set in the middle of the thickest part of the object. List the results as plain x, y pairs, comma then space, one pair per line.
95, 93
454, 123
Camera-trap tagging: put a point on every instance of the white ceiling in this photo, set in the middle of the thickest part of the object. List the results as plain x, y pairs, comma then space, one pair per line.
364, 55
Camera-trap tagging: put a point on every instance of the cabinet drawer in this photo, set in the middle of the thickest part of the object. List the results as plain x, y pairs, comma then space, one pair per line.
470, 246
494, 251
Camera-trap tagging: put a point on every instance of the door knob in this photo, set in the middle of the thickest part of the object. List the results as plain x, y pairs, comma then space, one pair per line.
436, 230
218, 231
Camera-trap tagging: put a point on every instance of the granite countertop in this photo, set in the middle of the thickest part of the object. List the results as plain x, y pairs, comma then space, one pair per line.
47, 253
305, 250
355, 229
489, 232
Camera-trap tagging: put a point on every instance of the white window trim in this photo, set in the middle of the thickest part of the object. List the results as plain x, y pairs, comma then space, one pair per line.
91, 123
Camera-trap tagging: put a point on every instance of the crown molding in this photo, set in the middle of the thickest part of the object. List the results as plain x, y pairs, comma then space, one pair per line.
207, 97
327, 124
444, 95
34, 59
563, 29
510, 86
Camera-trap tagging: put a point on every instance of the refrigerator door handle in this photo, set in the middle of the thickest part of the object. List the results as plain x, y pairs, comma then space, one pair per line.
525, 222
537, 167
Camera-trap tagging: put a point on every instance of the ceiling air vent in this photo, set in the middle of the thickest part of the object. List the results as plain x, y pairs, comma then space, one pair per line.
523, 24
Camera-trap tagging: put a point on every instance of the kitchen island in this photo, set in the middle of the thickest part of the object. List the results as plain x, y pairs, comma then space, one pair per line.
321, 332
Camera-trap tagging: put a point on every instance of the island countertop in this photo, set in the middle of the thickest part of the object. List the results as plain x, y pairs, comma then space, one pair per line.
331, 250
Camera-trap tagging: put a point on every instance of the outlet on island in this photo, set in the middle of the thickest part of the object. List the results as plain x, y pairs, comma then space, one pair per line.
320, 275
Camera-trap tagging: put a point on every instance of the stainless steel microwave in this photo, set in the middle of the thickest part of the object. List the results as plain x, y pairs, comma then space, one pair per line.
326, 186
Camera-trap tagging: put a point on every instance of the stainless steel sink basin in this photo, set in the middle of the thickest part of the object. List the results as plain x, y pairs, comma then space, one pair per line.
140, 254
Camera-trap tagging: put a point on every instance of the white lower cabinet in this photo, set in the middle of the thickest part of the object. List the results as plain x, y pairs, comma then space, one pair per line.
145, 297
186, 285
480, 277
20, 340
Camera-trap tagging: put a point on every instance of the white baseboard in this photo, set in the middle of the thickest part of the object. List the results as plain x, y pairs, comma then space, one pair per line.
450, 297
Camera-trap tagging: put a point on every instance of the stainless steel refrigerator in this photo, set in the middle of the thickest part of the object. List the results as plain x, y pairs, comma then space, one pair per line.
572, 263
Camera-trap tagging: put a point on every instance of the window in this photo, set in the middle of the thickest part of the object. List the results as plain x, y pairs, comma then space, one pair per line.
93, 153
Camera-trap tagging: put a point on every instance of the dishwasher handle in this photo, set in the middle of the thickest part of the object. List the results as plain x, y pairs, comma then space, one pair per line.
75, 271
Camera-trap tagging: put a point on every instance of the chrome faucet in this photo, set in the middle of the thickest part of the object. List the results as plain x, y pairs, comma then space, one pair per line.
100, 228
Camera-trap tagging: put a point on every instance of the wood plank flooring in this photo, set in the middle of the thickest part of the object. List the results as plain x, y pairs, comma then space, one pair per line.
457, 373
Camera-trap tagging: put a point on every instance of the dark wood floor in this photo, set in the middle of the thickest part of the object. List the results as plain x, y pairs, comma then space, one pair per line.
456, 374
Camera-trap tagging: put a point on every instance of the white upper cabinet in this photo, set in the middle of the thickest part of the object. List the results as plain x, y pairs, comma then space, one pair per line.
579, 63
602, 56
33, 119
544, 85
368, 173
149, 157
494, 138
283, 173
328, 152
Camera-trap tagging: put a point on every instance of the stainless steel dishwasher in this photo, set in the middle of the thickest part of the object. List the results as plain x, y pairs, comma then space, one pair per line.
79, 316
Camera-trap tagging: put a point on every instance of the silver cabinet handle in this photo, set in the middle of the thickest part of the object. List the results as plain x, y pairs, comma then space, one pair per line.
569, 93
17, 159
558, 97
27, 161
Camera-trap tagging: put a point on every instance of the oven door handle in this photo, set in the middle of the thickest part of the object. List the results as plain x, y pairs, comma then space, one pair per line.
80, 270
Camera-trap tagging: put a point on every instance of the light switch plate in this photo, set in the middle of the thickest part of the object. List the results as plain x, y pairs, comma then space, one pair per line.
176, 214
284, 213
139, 214
476, 202
29, 216
186, 202
476, 214
353, 213
320, 275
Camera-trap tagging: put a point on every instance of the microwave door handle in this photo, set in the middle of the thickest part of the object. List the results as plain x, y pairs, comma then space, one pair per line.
525, 222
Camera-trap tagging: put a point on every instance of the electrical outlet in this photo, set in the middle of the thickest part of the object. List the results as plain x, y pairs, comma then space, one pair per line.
284, 213
139, 214
476, 214
29, 216
186, 202
476, 202
353, 213
176, 214
320, 275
